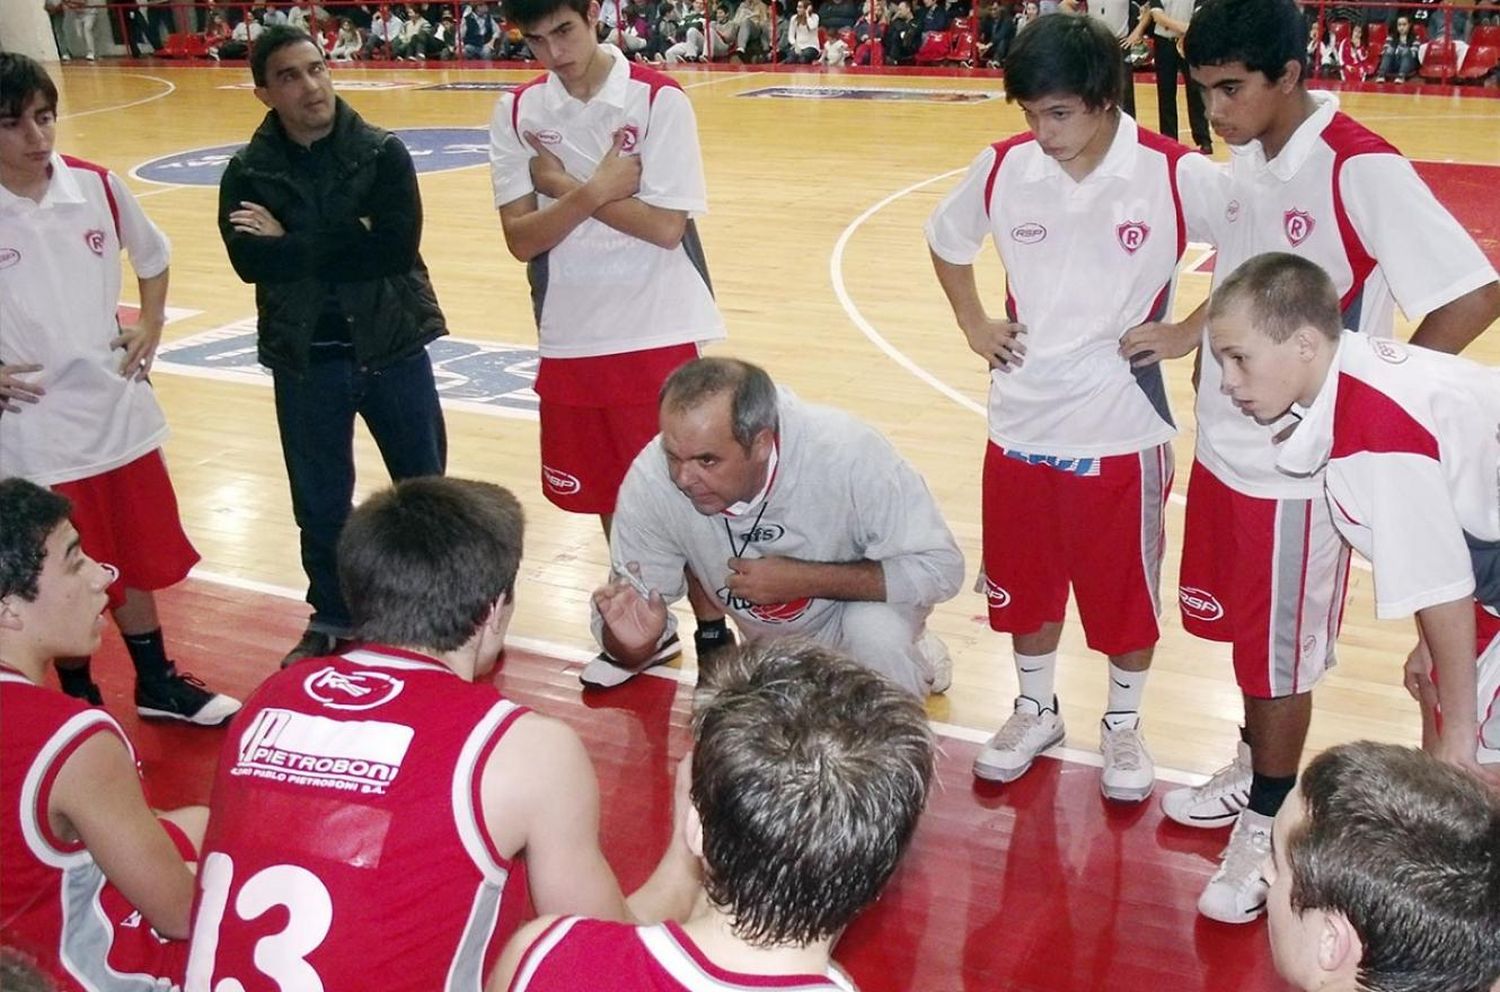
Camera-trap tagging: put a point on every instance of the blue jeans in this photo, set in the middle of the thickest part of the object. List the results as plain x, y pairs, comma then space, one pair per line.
315, 412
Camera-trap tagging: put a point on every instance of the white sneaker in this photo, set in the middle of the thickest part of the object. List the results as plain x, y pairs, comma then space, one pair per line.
606, 673
938, 663
1217, 802
1009, 753
1129, 774
1237, 891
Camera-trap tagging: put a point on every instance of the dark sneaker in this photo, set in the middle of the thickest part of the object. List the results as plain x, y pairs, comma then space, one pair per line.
706, 642
314, 644
606, 673
86, 691
180, 696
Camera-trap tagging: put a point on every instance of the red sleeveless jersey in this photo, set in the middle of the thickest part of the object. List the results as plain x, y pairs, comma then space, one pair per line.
346, 844
55, 904
576, 953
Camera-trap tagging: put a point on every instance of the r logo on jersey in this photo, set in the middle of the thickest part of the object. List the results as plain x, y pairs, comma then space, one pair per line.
1199, 605
1132, 234
780, 612
9, 257
95, 240
354, 691
1298, 225
1391, 352
560, 482
631, 136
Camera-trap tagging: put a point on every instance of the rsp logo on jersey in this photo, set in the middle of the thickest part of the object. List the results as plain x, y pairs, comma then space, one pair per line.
997, 597
1199, 605
1132, 235
347, 755
9, 257
560, 482
1028, 234
433, 149
1299, 224
352, 691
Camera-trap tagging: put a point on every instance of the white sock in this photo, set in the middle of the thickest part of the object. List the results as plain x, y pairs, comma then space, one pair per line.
1037, 674
1125, 692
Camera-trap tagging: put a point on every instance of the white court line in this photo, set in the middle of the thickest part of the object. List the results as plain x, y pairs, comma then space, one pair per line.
836, 273
171, 88
720, 77
580, 656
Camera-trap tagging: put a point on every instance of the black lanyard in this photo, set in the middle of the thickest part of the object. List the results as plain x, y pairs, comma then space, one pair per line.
749, 535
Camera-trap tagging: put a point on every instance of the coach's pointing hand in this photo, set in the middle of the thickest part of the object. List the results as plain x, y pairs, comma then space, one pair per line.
634, 620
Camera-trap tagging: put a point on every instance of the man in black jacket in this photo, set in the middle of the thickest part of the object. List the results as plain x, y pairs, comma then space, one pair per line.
321, 212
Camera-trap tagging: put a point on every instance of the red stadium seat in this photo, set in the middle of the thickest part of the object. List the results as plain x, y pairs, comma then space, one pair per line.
1479, 62
1339, 30
1486, 34
183, 46
1375, 33
1440, 61
934, 48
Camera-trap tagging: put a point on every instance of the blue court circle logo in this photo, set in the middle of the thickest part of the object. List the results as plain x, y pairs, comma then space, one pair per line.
433, 149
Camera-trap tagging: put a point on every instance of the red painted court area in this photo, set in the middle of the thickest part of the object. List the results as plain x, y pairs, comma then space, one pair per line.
1033, 886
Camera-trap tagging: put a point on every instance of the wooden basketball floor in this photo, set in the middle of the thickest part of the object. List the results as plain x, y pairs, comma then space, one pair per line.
815, 246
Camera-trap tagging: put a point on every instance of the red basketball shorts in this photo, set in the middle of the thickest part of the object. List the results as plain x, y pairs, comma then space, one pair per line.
1267, 576
596, 415
127, 517
1094, 524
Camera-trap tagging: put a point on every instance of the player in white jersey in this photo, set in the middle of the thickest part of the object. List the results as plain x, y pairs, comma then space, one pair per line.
1406, 442
77, 412
809, 773
1079, 442
1263, 567
598, 178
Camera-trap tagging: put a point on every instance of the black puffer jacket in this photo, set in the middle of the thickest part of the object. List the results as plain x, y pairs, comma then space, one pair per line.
328, 261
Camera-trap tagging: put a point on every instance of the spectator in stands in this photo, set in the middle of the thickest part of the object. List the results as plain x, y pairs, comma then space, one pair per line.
81, 15
443, 41
217, 33
385, 29
1437, 25
1398, 59
1354, 56
836, 15
903, 36
868, 36
835, 50
1028, 13
1325, 52
267, 16
721, 32
242, 37
932, 16
347, 42
479, 32
802, 44
752, 23
57, 14
698, 36
411, 43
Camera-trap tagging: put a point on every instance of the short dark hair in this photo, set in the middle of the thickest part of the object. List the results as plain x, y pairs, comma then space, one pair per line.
28, 516
1262, 35
1065, 55
753, 403
272, 40
422, 562
1283, 292
809, 775
524, 13
1407, 848
21, 78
